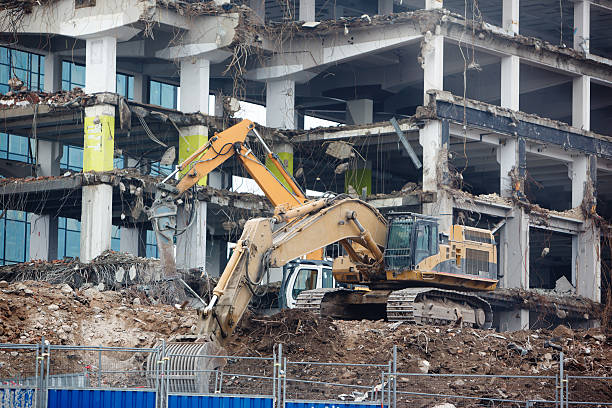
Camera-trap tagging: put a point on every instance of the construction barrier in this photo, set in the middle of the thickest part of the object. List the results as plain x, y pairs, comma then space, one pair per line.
219, 401
17, 397
96, 398
331, 404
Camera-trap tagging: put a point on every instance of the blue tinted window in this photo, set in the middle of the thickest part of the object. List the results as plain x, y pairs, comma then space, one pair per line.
73, 75
116, 238
151, 245
162, 94
25, 65
68, 238
72, 158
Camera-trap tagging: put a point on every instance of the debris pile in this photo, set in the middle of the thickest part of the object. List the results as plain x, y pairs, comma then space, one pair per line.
25, 97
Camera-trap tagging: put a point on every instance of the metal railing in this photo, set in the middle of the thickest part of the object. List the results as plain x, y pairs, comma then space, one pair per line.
27, 372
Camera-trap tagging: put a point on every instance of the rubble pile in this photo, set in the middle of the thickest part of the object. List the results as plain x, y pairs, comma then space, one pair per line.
127, 317
109, 270
25, 97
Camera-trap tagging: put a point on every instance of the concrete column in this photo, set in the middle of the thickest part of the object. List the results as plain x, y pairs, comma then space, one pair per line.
581, 102
579, 174
96, 220
191, 245
101, 65
43, 228
195, 83
141, 88
514, 320
586, 256
433, 4
434, 137
129, 240
514, 251
99, 143
53, 72
219, 105
307, 10
360, 111
259, 7
507, 155
582, 25
284, 151
385, 7
192, 138
433, 64
510, 76
510, 16
280, 104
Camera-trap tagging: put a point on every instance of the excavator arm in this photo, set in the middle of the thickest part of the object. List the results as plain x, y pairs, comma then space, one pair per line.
220, 147
261, 246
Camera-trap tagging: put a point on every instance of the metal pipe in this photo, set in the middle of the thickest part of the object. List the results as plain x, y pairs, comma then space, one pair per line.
267, 149
301, 210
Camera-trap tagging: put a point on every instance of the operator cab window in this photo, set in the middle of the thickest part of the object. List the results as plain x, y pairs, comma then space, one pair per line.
305, 280
328, 278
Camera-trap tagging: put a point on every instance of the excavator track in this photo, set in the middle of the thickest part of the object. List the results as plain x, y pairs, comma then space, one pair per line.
311, 300
438, 306
413, 305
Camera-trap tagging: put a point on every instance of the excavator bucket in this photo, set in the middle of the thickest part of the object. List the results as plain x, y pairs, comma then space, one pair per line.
163, 218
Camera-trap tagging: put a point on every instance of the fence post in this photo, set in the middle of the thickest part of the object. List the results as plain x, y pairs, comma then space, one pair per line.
389, 384
280, 404
100, 367
274, 377
284, 381
46, 377
561, 378
394, 376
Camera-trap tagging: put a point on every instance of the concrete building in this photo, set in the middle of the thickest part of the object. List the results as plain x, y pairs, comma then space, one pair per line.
501, 108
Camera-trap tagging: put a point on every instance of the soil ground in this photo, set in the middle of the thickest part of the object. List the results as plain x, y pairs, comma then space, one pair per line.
31, 310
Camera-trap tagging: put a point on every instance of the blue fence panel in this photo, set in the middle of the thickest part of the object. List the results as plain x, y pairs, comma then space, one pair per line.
17, 397
218, 401
331, 404
101, 399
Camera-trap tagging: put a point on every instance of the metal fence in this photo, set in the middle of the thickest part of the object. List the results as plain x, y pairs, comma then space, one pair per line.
29, 374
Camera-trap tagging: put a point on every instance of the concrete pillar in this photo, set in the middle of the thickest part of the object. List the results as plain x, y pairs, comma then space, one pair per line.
217, 256
307, 10
510, 76
99, 143
141, 88
581, 102
284, 151
96, 220
43, 228
358, 178
586, 250
579, 174
195, 83
385, 7
360, 111
219, 105
192, 138
53, 73
433, 4
582, 25
191, 245
434, 138
507, 158
513, 320
510, 16
129, 241
514, 251
280, 104
259, 7
101, 65
433, 64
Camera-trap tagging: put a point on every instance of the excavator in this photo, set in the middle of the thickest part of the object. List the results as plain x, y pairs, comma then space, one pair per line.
413, 272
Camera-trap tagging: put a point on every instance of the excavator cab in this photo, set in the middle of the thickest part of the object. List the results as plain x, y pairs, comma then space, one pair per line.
301, 275
411, 238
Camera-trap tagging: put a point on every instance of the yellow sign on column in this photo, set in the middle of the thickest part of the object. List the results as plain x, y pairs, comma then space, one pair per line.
187, 146
99, 143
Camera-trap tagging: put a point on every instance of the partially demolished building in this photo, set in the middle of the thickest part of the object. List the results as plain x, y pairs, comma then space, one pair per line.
488, 113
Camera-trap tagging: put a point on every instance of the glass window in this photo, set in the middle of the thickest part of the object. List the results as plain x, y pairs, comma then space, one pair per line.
72, 158
73, 75
398, 252
422, 250
125, 85
151, 245
68, 238
305, 280
328, 278
116, 239
162, 94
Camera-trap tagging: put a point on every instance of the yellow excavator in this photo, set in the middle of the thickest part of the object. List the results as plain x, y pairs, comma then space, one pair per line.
413, 272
